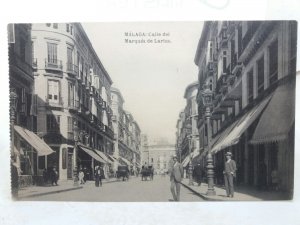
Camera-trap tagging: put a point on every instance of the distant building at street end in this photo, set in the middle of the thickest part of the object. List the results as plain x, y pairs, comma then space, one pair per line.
157, 153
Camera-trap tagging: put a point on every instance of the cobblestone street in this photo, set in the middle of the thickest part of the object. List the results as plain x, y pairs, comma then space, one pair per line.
133, 190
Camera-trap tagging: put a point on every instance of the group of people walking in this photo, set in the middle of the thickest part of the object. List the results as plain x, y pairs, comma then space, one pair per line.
176, 174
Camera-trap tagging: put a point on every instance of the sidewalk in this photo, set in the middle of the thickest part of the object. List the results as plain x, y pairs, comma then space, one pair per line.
241, 193
67, 185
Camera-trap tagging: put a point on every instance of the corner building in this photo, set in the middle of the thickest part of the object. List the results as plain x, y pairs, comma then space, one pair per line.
73, 91
251, 67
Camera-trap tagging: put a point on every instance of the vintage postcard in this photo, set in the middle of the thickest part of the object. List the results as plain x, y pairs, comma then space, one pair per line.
152, 111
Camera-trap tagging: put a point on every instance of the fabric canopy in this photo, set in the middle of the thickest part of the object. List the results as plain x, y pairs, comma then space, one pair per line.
232, 135
278, 118
91, 153
104, 156
126, 161
186, 161
31, 138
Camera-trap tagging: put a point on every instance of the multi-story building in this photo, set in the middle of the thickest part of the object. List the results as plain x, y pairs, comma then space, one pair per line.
27, 145
187, 134
157, 154
250, 67
74, 99
127, 133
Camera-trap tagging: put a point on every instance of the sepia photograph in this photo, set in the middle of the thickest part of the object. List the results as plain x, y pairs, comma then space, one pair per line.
152, 111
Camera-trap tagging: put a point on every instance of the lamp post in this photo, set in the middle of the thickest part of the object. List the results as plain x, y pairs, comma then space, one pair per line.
13, 108
207, 101
76, 139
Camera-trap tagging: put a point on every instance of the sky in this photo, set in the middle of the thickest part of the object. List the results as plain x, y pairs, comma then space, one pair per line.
152, 77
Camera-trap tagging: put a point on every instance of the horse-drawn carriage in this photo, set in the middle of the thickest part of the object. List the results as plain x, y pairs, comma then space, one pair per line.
123, 172
147, 171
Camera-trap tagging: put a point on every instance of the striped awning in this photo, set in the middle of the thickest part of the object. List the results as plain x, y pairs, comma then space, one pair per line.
234, 133
278, 118
104, 156
35, 141
91, 153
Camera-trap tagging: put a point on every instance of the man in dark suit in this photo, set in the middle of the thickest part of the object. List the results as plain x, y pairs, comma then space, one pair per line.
229, 173
176, 174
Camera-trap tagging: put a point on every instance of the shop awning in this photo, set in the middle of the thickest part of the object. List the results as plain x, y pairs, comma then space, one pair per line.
186, 161
232, 137
91, 153
126, 161
31, 138
278, 118
104, 156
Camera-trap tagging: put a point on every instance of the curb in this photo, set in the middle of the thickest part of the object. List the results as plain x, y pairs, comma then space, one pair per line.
50, 192
200, 195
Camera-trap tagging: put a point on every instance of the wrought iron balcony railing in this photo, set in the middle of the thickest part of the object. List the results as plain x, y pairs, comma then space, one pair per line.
53, 64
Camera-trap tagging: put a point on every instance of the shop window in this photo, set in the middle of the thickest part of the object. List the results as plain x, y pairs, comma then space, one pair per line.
42, 162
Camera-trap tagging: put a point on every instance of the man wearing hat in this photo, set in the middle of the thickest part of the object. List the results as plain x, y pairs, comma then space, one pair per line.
176, 174
229, 173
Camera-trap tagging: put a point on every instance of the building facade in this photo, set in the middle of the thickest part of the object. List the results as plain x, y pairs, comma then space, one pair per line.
250, 67
157, 154
127, 145
187, 135
74, 114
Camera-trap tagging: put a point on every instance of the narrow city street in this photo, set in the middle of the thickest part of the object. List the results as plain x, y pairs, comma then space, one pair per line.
133, 190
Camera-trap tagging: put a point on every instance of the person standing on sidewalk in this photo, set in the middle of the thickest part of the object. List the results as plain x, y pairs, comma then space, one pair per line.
229, 173
97, 176
176, 174
102, 176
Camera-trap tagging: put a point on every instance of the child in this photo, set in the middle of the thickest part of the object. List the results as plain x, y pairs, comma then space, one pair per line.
81, 177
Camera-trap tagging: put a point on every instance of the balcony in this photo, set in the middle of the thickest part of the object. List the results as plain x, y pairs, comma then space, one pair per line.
54, 103
72, 69
73, 105
34, 63
108, 131
53, 64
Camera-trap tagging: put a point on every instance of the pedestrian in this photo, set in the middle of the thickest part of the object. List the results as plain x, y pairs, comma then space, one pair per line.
229, 173
97, 176
102, 176
197, 173
176, 174
81, 177
54, 176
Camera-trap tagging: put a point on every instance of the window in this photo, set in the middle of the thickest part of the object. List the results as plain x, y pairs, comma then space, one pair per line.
71, 94
70, 58
52, 53
48, 24
55, 25
273, 63
64, 158
53, 91
260, 75
71, 29
250, 86
53, 123
68, 27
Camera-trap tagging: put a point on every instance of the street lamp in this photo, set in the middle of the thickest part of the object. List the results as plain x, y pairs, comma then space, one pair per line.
13, 108
207, 102
76, 139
